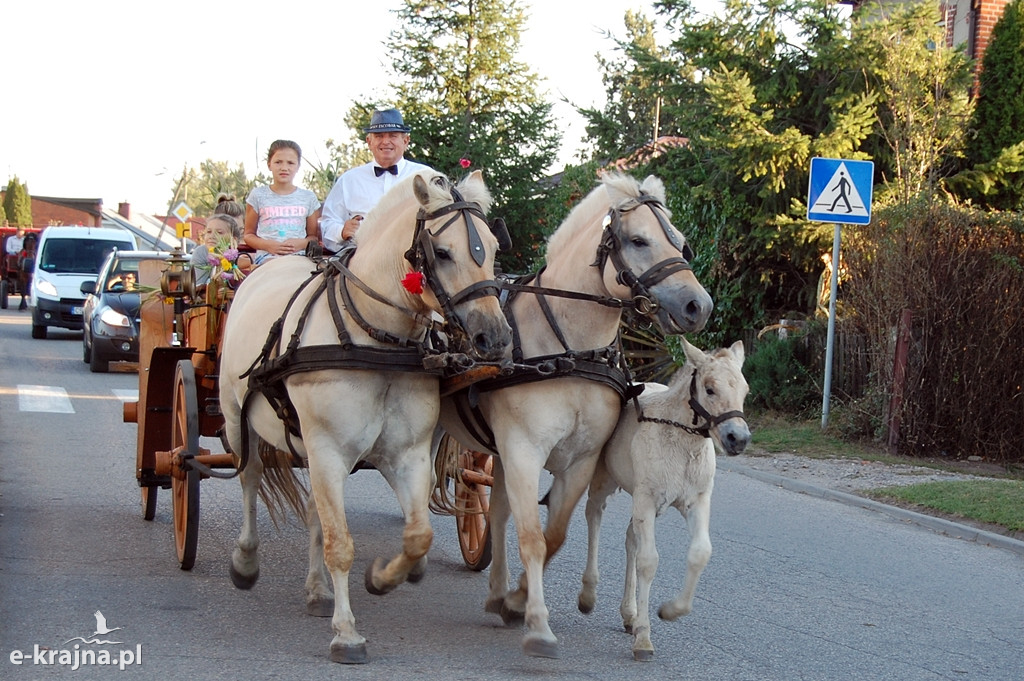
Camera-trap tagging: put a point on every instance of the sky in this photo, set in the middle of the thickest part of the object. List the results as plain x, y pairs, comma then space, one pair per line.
111, 99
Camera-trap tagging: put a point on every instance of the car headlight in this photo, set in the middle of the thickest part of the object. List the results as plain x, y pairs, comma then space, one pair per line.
45, 287
111, 317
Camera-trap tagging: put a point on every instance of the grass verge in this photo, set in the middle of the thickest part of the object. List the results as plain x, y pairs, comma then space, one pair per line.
1000, 502
997, 500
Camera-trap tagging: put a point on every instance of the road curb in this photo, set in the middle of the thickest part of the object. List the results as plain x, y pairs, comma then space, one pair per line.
940, 525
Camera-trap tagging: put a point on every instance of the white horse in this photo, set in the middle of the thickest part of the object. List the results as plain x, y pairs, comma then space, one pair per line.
617, 247
662, 462
364, 397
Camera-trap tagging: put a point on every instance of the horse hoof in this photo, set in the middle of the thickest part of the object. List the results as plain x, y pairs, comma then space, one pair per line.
511, 617
643, 655
494, 605
538, 647
419, 570
244, 582
585, 606
320, 607
343, 654
372, 588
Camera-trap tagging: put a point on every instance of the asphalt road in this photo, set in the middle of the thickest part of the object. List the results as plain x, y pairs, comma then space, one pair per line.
799, 587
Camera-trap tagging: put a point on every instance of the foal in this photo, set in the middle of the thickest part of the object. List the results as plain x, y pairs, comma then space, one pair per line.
662, 462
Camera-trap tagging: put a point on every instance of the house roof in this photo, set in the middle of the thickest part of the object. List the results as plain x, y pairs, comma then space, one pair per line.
148, 229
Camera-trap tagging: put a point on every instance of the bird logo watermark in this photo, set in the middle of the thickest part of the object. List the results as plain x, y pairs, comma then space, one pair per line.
87, 652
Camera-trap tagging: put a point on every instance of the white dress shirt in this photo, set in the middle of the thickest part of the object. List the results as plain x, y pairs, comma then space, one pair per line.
356, 192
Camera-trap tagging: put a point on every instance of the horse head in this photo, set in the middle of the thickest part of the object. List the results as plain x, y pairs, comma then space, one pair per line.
453, 250
649, 257
717, 391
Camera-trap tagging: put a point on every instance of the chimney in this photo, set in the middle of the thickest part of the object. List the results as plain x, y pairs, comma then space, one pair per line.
124, 209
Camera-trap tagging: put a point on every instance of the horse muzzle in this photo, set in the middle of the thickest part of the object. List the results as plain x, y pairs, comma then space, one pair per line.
685, 313
489, 336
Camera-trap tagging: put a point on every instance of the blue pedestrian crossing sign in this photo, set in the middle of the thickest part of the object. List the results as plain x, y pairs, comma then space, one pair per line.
839, 191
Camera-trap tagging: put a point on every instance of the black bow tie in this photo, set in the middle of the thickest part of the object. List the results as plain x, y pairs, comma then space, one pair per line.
378, 171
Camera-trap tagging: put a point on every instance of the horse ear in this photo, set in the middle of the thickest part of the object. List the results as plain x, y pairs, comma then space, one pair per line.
737, 351
500, 231
693, 353
654, 186
476, 176
420, 189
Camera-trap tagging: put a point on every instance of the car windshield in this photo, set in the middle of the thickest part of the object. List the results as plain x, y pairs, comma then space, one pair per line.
124, 276
75, 255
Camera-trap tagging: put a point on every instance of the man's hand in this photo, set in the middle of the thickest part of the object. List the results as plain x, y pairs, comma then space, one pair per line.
351, 226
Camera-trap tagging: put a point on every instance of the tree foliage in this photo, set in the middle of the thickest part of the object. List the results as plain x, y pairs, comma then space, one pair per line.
631, 113
759, 89
997, 142
200, 187
17, 204
472, 105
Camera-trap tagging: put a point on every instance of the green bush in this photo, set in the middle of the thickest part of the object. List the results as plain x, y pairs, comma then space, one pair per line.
778, 376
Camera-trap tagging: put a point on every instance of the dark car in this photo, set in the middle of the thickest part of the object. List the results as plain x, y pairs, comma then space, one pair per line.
110, 315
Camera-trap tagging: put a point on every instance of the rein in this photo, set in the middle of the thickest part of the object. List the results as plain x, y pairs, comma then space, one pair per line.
704, 429
273, 365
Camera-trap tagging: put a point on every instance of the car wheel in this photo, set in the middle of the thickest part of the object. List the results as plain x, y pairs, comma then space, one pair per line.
86, 351
97, 365
4, 290
38, 331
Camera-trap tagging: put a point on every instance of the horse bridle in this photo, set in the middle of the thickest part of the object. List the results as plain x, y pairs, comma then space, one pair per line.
699, 412
422, 257
645, 302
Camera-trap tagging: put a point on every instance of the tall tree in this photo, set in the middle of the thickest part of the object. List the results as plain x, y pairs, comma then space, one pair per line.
18, 203
632, 112
472, 105
200, 187
998, 125
924, 108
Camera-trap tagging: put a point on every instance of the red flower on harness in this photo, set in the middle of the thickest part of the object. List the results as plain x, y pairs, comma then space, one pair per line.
413, 283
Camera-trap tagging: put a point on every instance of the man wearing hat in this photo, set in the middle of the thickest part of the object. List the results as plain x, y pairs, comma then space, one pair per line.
358, 190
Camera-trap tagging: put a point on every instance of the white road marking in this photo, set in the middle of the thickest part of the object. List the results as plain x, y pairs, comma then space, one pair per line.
126, 395
44, 398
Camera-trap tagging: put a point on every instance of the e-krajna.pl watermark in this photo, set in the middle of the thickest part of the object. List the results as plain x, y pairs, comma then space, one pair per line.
82, 654
77, 657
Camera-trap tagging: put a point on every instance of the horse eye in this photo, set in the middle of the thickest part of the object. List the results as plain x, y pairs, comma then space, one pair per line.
443, 255
639, 242
710, 390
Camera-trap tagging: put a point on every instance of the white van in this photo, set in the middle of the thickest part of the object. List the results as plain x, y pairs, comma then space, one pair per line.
66, 257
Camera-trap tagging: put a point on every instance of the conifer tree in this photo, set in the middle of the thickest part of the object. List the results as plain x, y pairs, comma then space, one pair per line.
18, 204
998, 125
473, 105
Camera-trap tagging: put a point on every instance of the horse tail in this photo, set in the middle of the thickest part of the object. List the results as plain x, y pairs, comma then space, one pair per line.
281, 488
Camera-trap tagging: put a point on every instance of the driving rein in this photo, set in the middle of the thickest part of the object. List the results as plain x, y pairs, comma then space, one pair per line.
332, 278
606, 365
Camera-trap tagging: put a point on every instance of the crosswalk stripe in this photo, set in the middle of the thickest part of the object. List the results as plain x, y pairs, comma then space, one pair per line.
44, 398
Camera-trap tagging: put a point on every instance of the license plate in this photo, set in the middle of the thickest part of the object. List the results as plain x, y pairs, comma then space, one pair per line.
77, 310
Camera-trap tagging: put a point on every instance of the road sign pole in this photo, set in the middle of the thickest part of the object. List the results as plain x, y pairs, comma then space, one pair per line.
830, 342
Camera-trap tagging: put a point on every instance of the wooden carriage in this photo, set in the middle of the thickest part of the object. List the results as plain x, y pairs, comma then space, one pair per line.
180, 335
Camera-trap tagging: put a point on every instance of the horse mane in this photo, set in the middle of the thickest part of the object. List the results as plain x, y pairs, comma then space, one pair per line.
471, 187
615, 190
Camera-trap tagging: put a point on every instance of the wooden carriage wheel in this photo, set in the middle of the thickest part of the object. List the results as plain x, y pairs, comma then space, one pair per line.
184, 478
472, 502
